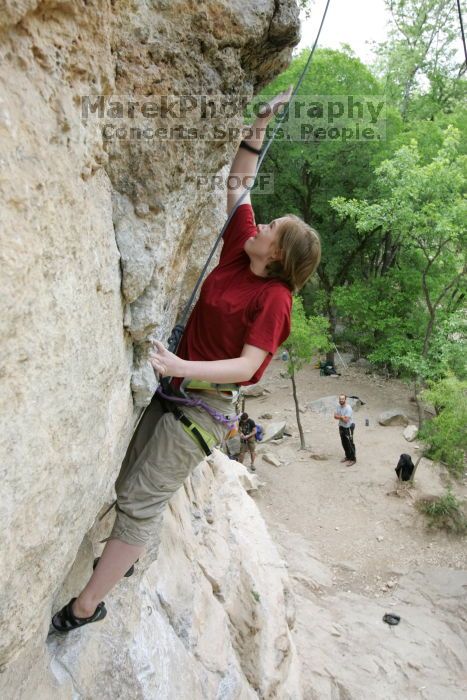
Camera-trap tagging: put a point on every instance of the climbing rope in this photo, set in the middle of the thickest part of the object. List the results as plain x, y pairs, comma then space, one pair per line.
463, 68
178, 329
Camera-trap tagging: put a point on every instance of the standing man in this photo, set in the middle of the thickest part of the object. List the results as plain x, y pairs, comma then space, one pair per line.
346, 427
247, 428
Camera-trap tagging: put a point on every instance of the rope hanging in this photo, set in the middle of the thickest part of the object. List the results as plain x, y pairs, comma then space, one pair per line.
463, 37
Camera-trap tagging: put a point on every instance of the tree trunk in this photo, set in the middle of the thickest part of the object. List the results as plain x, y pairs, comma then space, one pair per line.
418, 401
408, 89
297, 412
416, 465
418, 384
330, 355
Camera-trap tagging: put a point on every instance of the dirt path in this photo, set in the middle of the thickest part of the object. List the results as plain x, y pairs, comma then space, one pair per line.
355, 526
359, 536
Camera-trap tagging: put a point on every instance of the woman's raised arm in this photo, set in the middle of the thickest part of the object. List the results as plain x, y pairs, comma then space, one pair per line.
244, 165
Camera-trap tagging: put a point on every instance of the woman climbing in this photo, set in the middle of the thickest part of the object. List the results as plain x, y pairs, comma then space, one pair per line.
241, 318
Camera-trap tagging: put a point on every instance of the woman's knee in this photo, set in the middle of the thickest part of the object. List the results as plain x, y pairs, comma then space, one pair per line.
136, 531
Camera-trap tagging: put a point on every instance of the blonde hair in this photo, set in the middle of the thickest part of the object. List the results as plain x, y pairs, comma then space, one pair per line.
300, 246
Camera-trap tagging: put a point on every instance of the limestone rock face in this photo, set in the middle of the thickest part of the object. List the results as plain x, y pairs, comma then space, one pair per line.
210, 619
102, 235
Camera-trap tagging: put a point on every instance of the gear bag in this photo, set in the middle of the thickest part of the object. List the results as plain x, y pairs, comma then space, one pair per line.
404, 468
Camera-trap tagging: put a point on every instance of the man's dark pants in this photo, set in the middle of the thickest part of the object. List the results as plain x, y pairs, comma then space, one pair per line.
347, 441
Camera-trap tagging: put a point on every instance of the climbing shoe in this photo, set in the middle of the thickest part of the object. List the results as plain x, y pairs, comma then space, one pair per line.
65, 620
129, 573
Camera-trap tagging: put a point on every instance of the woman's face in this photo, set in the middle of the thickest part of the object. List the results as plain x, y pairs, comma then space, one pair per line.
264, 245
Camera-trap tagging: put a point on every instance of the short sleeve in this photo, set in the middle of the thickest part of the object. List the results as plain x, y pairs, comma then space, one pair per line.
270, 325
241, 227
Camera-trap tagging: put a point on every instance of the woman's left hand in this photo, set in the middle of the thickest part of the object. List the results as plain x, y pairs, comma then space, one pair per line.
275, 104
165, 362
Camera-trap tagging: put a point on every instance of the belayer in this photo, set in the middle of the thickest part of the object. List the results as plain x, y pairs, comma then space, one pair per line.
241, 318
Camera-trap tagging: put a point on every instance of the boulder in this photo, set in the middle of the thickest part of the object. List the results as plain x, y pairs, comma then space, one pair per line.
410, 433
363, 363
328, 404
274, 431
271, 459
233, 445
254, 391
247, 479
265, 416
393, 417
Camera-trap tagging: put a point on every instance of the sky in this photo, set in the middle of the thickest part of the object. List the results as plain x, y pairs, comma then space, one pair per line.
353, 22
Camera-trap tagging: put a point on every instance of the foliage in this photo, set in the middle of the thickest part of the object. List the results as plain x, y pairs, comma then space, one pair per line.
306, 7
255, 595
418, 60
422, 266
307, 336
390, 212
444, 512
309, 173
446, 434
382, 321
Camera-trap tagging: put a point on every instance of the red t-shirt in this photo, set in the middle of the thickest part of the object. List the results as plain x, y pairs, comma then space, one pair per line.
237, 307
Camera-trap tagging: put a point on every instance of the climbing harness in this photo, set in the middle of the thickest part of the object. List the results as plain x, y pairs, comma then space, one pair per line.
198, 403
224, 390
170, 402
205, 440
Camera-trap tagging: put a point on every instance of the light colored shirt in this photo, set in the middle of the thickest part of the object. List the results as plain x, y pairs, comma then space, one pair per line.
345, 411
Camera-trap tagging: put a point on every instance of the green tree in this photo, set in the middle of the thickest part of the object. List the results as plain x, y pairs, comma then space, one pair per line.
422, 211
418, 60
380, 317
308, 174
308, 335
446, 434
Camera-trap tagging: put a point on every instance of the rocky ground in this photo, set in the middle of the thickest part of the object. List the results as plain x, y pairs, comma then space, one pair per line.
357, 547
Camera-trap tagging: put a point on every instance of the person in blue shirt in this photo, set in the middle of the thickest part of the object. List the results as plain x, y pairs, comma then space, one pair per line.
346, 429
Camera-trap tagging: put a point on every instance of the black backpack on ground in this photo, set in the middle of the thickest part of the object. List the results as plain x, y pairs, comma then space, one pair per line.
404, 468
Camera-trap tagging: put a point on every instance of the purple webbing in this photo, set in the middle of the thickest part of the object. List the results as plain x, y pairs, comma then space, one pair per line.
199, 403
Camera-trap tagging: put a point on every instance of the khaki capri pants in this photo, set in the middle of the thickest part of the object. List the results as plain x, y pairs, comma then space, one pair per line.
159, 458
248, 445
